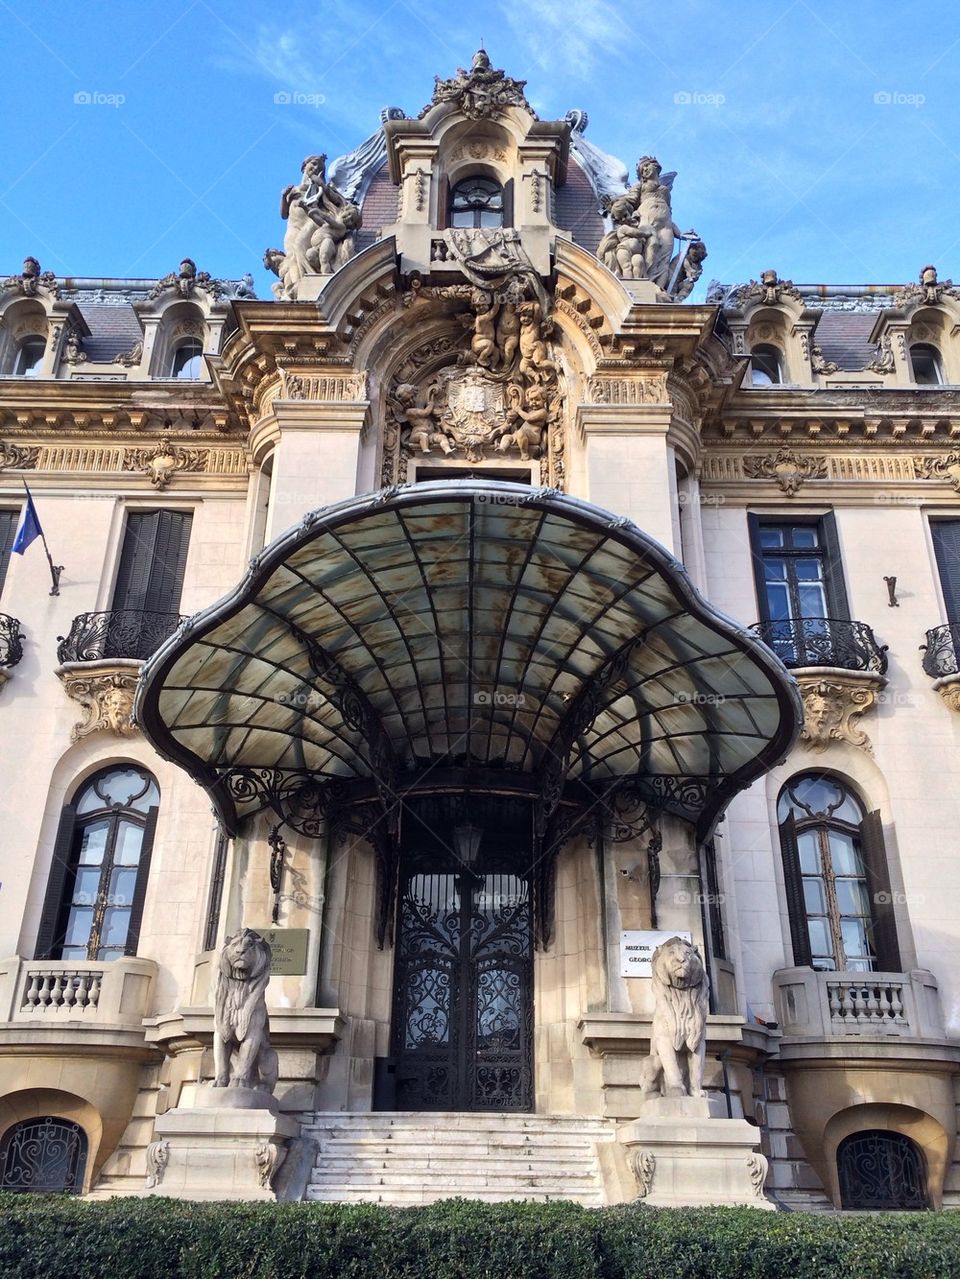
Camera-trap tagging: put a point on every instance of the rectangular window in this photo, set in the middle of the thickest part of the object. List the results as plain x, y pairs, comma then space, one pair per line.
946, 547
799, 579
8, 526
146, 597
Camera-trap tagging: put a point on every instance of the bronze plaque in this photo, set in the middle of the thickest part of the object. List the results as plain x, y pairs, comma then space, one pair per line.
288, 948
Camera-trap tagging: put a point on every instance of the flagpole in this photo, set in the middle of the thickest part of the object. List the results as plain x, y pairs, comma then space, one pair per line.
55, 569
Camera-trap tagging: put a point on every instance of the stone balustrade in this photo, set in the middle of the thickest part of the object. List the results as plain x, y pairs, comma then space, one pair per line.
112, 994
824, 1005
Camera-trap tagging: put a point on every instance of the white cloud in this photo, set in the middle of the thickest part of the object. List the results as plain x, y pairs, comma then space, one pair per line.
568, 37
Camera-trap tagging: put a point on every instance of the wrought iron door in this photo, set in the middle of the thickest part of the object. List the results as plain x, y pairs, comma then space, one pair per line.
463, 1005
881, 1170
43, 1156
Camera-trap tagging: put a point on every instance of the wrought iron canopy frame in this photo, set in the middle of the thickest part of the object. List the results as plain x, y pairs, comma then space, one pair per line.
471, 625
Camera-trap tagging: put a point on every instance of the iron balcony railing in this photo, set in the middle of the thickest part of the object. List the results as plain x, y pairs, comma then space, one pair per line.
11, 641
940, 651
124, 632
824, 641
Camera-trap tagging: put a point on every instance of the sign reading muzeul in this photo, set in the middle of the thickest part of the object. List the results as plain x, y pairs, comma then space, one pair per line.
288, 950
637, 946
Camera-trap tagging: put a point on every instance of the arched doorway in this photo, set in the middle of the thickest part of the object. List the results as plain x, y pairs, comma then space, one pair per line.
881, 1170
43, 1156
463, 983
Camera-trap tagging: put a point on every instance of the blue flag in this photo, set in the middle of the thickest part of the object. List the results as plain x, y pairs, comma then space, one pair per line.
28, 530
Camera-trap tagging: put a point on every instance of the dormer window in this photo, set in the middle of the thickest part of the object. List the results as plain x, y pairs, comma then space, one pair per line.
925, 360
476, 202
30, 355
187, 361
766, 365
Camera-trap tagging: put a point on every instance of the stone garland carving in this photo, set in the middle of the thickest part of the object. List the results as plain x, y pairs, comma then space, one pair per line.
321, 229
757, 1168
481, 92
769, 290
32, 281
186, 281
242, 1055
644, 1166
930, 291
883, 361
678, 1034
107, 698
73, 352
788, 469
640, 245
940, 468
161, 462
268, 1158
158, 1156
832, 709
13, 457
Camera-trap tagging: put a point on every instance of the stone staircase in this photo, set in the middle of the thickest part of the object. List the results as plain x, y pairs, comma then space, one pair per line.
406, 1157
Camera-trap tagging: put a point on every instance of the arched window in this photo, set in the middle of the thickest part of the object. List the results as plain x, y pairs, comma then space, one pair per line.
43, 1156
187, 362
477, 202
881, 1171
927, 368
30, 355
835, 873
766, 365
100, 865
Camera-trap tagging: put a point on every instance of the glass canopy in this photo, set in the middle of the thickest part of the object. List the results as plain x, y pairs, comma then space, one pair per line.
475, 625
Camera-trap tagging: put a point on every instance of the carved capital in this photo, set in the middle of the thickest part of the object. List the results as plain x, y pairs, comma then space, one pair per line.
106, 691
833, 702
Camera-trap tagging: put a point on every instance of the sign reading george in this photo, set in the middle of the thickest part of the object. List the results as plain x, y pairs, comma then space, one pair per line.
288, 948
637, 947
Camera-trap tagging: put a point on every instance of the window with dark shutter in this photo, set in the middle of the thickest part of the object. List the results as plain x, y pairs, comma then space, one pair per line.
8, 527
146, 596
836, 879
946, 546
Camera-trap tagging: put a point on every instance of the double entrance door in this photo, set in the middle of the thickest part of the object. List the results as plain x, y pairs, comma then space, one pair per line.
463, 989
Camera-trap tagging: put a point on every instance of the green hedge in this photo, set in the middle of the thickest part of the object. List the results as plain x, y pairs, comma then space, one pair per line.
58, 1238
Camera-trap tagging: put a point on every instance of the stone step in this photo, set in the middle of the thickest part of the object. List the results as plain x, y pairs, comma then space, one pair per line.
412, 1157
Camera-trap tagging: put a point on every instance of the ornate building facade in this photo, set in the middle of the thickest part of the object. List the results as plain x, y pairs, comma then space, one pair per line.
465, 619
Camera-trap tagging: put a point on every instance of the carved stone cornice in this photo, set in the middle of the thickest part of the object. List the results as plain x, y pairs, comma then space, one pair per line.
787, 468
937, 420
106, 691
833, 701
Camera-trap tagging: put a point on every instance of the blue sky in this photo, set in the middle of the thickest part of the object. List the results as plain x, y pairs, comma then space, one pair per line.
817, 138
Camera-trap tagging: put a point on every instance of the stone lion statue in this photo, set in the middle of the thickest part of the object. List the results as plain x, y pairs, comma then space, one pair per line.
679, 1033
242, 1055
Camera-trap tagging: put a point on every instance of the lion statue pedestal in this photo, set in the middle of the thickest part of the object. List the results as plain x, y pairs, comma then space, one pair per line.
683, 1149
230, 1143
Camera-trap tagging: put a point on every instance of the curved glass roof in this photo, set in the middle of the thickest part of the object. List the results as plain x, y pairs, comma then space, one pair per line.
471, 624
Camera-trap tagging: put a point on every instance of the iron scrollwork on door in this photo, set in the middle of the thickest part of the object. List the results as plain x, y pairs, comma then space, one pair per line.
881, 1171
463, 1014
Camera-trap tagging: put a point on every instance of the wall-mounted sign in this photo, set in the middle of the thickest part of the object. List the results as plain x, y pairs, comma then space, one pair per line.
288, 947
637, 947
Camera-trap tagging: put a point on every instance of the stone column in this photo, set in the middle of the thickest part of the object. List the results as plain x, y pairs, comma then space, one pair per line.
316, 459
628, 465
